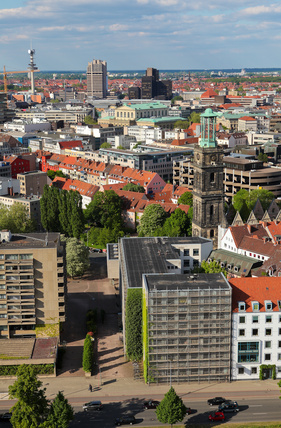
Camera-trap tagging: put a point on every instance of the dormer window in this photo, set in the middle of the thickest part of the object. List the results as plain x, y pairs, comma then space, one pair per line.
255, 306
268, 305
241, 306
279, 304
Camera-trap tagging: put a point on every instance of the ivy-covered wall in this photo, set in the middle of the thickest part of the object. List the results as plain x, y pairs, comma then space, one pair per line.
134, 324
145, 338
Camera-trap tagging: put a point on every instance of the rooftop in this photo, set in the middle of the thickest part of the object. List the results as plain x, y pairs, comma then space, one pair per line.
186, 282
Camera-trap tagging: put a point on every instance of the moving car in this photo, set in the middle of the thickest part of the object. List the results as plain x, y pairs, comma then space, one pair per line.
216, 401
5, 417
188, 410
216, 416
92, 406
231, 406
150, 404
125, 420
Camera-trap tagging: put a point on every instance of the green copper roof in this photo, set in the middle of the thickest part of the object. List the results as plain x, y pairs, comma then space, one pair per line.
160, 119
145, 106
209, 113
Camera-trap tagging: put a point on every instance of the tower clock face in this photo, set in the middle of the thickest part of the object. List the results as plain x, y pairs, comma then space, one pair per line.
213, 157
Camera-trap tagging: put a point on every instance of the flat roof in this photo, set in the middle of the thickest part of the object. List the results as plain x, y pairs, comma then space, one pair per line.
31, 240
172, 282
149, 254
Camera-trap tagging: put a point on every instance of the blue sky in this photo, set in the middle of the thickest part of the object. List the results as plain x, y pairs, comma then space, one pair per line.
136, 34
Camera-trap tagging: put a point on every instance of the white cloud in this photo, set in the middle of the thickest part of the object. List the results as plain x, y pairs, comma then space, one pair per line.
118, 27
261, 10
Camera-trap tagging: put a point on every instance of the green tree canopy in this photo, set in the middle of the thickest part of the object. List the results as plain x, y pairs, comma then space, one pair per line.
87, 354
89, 120
134, 188
16, 219
181, 124
186, 199
244, 198
33, 410
134, 324
177, 224
176, 98
212, 267
77, 257
52, 174
105, 146
262, 157
171, 409
105, 210
153, 218
194, 118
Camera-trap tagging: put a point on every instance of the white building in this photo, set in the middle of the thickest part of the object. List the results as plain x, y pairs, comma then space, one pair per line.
256, 328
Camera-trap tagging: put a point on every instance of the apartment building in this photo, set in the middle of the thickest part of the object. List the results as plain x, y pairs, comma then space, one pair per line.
97, 79
32, 203
187, 326
32, 282
33, 182
256, 328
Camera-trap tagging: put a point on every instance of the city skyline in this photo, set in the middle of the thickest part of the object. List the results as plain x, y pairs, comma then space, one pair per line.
165, 34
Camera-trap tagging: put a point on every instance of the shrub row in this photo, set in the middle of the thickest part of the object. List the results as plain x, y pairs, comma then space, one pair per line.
40, 369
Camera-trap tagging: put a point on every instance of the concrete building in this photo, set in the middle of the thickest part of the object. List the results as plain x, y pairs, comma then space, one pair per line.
33, 182
32, 203
256, 328
187, 326
97, 79
32, 282
9, 186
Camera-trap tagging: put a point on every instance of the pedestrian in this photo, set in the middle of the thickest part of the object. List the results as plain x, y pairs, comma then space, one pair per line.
90, 388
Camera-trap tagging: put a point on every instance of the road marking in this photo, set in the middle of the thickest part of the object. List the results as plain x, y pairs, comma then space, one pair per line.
256, 405
265, 413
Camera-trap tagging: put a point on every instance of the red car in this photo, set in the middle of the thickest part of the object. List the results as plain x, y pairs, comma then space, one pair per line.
216, 416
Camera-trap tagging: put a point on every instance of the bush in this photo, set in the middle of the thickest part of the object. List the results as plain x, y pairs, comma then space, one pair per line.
88, 354
39, 368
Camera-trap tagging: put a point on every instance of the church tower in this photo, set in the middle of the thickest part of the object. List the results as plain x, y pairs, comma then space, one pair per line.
208, 192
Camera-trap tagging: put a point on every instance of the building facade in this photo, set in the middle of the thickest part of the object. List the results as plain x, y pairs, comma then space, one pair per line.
187, 326
208, 196
32, 283
97, 79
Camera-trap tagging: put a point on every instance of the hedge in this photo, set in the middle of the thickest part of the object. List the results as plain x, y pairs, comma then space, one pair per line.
40, 369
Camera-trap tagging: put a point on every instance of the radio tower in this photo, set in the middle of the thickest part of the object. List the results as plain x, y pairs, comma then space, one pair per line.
32, 67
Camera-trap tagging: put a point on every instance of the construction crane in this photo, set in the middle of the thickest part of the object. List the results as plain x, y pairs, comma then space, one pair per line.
4, 72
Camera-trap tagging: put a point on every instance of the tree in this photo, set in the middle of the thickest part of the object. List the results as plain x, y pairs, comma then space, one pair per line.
33, 410
121, 148
177, 224
171, 409
131, 187
105, 146
88, 354
176, 98
60, 414
186, 199
244, 199
16, 219
29, 410
134, 324
210, 267
181, 124
262, 157
153, 217
77, 257
194, 118
105, 210
89, 120
52, 174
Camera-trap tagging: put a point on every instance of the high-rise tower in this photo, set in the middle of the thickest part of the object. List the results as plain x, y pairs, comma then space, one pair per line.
208, 194
97, 79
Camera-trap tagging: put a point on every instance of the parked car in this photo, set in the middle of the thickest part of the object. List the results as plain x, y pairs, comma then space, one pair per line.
5, 417
231, 406
188, 411
95, 250
216, 401
92, 406
125, 420
150, 404
216, 416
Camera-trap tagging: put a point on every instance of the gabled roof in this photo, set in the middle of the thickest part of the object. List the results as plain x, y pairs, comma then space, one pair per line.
255, 289
210, 93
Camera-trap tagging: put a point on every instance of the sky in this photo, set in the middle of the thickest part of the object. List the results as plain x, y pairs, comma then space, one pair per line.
136, 34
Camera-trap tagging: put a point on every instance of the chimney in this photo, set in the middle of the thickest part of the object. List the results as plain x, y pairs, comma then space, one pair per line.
249, 227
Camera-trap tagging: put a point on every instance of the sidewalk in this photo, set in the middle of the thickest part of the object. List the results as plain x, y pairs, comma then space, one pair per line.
76, 389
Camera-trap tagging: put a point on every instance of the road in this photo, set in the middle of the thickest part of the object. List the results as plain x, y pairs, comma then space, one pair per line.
258, 410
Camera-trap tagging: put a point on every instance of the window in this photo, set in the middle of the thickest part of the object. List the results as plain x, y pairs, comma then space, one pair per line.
268, 331
211, 210
268, 318
212, 177
279, 344
255, 318
195, 263
268, 305
242, 332
267, 357
240, 370
268, 343
196, 252
255, 306
186, 263
279, 306
241, 306
279, 357
248, 352
254, 370
185, 252
242, 320
279, 331
255, 332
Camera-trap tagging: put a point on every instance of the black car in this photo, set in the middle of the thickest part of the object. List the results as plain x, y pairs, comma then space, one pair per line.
5, 417
231, 406
216, 401
125, 420
150, 404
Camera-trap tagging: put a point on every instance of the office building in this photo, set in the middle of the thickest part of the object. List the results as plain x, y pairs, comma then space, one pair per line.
33, 182
152, 87
187, 326
97, 79
32, 282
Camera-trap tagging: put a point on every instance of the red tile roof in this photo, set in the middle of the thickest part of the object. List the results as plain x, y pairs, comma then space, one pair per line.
255, 289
